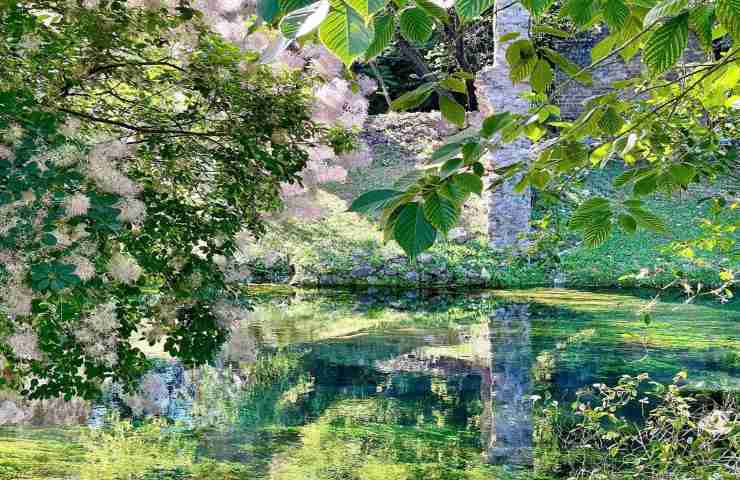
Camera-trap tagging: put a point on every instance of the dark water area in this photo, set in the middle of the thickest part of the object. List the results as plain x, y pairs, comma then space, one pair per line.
433, 385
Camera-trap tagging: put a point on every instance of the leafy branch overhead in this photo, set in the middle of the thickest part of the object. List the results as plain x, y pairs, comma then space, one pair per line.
651, 121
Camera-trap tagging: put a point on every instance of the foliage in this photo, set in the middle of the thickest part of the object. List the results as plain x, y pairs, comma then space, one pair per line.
652, 129
683, 435
133, 169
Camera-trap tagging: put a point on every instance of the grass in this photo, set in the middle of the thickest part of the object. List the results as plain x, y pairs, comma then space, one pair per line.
343, 248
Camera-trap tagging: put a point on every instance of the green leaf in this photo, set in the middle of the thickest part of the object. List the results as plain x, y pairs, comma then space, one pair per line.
446, 151
728, 14
494, 123
450, 166
611, 122
522, 58
373, 200
441, 212
472, 9
665, 46
268, 9
646, 185
304, 20
581, 11
589, 210
472, 152
507, 37
568, 67
49, 240
552, 31
627, 222
434, 10
451, 190
701, 21
455, 84
469, 183
367, 8
665, 8
537, 7
603, 48
683, 173
416, 25
413, 98
345, 33
541, 76
451, 110
648, 220
412, 231
385, 29
598, 232
616, 14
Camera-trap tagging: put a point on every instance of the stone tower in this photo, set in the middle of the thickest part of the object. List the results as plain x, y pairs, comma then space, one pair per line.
508, 212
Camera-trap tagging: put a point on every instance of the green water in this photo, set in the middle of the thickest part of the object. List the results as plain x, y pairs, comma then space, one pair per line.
387, 385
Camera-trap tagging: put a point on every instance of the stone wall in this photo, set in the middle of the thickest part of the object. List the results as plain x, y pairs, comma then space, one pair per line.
508, 212
572, 97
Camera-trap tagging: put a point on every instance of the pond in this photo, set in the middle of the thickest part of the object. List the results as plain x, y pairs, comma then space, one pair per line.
385, 385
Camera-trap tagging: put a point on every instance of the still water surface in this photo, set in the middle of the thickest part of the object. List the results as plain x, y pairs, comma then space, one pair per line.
407, 385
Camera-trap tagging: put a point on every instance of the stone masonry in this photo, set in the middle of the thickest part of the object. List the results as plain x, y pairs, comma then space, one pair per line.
508, 212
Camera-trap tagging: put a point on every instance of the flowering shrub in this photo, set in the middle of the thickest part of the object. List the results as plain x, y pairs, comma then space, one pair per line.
134, 169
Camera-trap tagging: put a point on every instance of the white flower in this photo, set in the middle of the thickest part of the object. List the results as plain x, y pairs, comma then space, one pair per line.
84, 268
17, 299
716, 423
132, 211
124, 269
24, 343
77, 205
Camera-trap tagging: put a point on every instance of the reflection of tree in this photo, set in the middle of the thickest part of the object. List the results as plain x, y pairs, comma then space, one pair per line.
507, 436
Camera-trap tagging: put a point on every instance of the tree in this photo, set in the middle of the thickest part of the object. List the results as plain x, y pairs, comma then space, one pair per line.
138, 153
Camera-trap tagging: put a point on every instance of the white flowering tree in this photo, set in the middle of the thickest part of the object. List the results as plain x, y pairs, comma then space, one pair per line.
141, 143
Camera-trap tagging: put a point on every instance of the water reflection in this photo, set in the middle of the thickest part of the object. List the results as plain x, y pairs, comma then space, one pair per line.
400, 386
508, 438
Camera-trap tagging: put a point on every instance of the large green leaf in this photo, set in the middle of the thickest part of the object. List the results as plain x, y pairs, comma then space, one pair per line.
494, 123
413, 98
589, 212
304, 20
441, 212
728, 13
616, 14
469, 182
450, 167
665, 8
416, 25
345, 33
542, 76
648, 220
434, 10
581, 11
385, 29
367, 8
598, 232
373, 200
667, 43
412, 230
701, 21
471, 9
451, 110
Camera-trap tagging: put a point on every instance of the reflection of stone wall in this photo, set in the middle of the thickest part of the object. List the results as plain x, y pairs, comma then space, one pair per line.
509, 433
